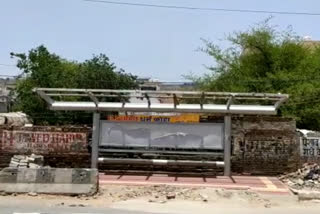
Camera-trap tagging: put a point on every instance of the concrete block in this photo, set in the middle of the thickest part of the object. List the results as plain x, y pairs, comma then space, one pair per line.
81, 176
19, 157
45, 175
12, 166
31, 159
38, 159
14, 159
33, 166
67, 189
43, 181
8, 175
308, 195
27, 175
14, 162
63, 176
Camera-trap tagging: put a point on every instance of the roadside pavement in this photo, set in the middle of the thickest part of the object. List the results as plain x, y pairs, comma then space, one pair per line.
270, 185
25, 205
161, 194
159, 199
53, 205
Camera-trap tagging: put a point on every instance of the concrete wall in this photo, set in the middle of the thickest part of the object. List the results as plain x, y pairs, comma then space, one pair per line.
49, 180
264, 145
61, 146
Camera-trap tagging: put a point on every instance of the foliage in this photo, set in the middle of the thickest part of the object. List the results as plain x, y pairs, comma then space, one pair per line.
263, 59
44, 69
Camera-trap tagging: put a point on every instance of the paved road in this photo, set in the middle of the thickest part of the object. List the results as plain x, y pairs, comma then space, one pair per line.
40, 207
259, 184
65, 211
219, 210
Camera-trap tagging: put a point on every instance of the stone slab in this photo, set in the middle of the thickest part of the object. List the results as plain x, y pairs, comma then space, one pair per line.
14, 162
8, 175
307, 195
81, 176
27, 175
45, 175
13, 165
33, 166
19, 157
68, 189
63, 176
49, 180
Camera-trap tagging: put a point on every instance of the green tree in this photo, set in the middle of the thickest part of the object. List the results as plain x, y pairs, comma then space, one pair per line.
40, 68
264, 59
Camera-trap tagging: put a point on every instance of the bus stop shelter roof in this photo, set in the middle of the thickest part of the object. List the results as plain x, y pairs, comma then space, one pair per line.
161, 101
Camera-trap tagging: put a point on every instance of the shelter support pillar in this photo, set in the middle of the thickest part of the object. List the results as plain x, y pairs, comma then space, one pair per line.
227, 145
95, 140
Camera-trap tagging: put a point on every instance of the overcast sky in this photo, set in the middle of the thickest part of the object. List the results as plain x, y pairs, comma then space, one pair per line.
149, 42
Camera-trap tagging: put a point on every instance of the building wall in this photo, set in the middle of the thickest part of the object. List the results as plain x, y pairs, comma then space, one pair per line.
61, 147
6, 86
264, 145
310, 147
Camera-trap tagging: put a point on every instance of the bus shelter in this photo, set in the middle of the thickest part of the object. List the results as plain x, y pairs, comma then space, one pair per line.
152, 135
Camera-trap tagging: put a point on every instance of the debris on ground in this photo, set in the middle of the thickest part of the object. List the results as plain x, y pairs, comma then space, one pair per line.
78, 205
3, 193
166, 193
24, 161
32, 194
171, 195
307, 177
155, 193
204, 197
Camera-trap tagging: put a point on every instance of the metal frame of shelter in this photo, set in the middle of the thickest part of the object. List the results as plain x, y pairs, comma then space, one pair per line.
99, 100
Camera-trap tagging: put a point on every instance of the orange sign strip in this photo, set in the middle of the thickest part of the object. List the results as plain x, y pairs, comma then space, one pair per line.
185, 118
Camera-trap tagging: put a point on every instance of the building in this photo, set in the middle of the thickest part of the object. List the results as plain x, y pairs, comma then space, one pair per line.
148, 84
6, 88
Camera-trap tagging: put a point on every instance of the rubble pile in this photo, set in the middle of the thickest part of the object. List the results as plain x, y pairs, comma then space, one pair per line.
164, 193
155, 193
23, 161
307, 177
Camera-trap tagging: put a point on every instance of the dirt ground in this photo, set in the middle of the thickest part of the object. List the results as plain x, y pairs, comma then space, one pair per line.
164, 198
164, 194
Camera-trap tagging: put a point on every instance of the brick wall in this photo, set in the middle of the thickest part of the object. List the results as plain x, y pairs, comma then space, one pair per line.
309, 147
61, 146
260, 145
264, 145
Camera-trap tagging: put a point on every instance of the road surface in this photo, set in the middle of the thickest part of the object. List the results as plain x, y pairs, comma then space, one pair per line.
40, 205
16, 205
151, 200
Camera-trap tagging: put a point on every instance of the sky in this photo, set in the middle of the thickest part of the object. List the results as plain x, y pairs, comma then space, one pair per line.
149, 42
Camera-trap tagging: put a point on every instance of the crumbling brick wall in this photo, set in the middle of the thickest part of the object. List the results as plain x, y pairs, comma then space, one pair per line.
264, 145
260, 145
309, 147
61, 146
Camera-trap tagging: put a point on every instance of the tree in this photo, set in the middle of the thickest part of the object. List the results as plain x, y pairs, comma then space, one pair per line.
40, 68
264, 59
